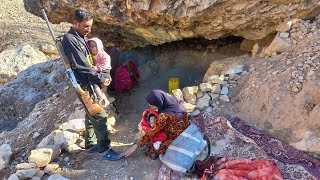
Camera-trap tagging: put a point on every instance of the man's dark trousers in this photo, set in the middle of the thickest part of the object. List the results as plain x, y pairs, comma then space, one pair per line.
96, 128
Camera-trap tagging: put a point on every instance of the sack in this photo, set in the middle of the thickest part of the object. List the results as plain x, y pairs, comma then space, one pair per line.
126, 76
182, 152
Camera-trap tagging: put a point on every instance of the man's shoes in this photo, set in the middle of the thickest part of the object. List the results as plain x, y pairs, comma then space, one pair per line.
112, 155
96, 149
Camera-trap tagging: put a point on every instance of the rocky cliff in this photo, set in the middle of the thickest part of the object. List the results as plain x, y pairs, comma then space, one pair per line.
138, 23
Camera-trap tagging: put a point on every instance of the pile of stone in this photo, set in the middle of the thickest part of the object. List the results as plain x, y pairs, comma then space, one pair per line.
68, 137
302, 29
289, 33
40, 161
308, 62
307, 67
209, 95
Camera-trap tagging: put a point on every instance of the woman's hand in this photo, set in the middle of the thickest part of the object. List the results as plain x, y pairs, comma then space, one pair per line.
131, 150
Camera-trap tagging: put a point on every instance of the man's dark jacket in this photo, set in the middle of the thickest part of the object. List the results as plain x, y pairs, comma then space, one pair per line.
78, 53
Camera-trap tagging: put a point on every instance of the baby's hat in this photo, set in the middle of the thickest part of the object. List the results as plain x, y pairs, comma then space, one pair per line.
98, 42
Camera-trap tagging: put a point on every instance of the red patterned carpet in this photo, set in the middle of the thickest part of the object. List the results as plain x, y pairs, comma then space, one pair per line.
235, 138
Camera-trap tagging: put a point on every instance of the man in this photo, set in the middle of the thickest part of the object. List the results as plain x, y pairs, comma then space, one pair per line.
77, 51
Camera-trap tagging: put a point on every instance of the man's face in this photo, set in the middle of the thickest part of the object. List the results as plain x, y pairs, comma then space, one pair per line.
83, 28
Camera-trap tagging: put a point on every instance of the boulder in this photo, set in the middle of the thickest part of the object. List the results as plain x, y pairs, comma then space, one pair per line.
195, 89
209, 110
216, 79
205, 87
234, 70
57, 177
189, 107
224, 90
214, 96
199, 94
204, 101
309, 141
19, 102
178, 94
216, 88
111, 122
188, 92
48, 140
278, 45
16, 60
195, 113
73, 124
192, 100
285, 26
48, 49
66, 139
214, 69
26, 173
26, 166
51, 168
284, 35
261, 45
5, 154
44, 155
224, 98
39, 175
13, 177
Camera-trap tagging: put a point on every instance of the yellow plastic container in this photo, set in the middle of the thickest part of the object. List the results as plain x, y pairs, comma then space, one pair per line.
173, 83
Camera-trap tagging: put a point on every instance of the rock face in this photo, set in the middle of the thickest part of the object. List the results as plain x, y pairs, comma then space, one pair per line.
288, 34
15, 60
18, 101
286, 99
128, 24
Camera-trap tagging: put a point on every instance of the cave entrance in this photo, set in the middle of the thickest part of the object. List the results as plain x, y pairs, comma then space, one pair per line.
187, 60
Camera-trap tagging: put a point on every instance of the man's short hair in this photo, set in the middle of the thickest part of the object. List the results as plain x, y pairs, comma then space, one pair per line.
82, 14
